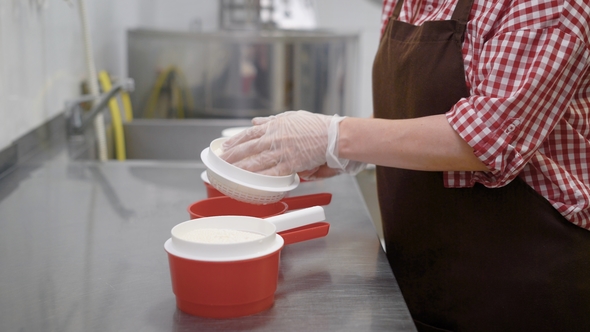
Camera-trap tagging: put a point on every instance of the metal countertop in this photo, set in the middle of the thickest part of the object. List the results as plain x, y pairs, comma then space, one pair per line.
81, 249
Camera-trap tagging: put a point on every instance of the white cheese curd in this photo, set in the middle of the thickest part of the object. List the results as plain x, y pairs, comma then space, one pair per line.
219, 235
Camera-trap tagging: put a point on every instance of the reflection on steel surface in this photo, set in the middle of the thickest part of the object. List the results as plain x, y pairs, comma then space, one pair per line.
241, 74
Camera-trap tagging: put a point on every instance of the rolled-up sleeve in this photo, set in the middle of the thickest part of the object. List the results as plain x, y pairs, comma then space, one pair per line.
522, 82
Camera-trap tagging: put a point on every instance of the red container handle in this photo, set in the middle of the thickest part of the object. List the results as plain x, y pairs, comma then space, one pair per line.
304, 233
305, 201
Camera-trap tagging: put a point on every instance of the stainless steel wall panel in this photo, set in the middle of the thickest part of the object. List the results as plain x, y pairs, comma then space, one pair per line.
242, 74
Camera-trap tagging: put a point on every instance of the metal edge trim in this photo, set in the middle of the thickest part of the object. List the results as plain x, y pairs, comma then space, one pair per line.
28, 144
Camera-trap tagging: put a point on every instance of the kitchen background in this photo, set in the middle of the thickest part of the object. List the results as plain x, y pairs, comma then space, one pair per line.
42, 61
80, 269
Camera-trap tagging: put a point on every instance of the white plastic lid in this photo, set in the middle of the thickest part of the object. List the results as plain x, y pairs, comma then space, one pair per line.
229, 132
242, 177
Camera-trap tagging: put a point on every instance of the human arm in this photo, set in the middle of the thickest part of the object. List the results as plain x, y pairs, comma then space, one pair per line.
426, 143
299, 142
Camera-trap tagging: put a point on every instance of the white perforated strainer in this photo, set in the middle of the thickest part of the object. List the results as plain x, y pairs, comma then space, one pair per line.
243, 185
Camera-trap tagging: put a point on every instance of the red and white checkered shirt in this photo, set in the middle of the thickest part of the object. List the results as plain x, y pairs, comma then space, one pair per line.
527, 66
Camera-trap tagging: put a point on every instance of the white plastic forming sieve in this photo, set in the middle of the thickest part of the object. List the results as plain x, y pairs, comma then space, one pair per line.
243, 185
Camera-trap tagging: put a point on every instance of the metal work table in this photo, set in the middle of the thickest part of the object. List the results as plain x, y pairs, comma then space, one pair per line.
81, 249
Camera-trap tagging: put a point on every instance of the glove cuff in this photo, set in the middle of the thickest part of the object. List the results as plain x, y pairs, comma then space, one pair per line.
345, 165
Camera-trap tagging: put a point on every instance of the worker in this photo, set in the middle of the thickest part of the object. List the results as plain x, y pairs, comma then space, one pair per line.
481, 137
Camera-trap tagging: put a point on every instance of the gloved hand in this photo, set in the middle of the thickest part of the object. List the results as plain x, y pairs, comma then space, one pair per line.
294, 141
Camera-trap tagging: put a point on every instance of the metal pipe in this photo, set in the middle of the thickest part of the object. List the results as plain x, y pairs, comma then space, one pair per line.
77, 122
92, 80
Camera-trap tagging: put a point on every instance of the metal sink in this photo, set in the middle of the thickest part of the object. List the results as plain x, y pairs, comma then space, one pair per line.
168, 139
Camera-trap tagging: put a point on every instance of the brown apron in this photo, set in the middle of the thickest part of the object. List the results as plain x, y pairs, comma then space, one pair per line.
469, 259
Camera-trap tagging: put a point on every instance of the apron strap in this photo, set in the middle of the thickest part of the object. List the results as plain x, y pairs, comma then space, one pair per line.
462, 11
397, 10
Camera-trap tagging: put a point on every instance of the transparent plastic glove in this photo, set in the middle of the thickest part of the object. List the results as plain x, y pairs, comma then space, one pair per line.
291, 142
319, 173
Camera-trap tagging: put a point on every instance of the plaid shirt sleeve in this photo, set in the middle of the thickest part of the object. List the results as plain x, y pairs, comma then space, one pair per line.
527, 68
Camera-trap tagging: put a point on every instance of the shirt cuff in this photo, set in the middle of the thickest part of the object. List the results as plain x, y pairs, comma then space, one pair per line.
495, 147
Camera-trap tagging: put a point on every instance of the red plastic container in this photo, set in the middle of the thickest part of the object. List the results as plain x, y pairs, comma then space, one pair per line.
211, 191
224, 281
224, 205
224, 289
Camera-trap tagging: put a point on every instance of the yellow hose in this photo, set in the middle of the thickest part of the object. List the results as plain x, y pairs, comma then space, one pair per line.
105, 83
180, 93
180, 105
153, 100
187, 93
127, 106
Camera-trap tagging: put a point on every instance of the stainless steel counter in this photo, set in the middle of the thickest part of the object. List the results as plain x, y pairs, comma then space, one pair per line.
81, 249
